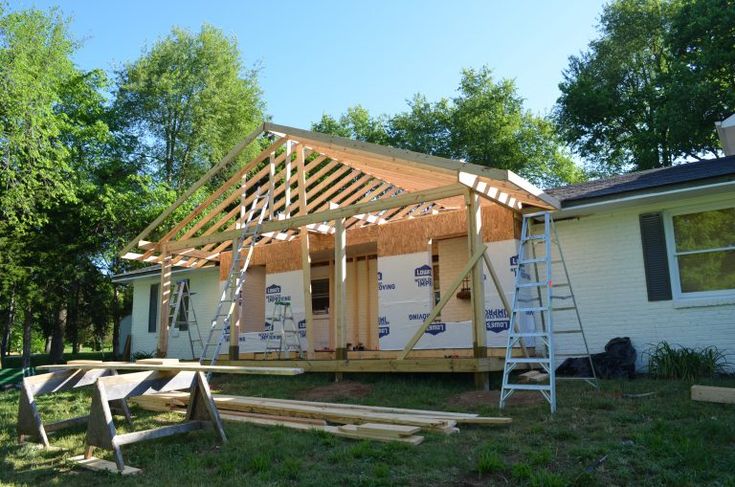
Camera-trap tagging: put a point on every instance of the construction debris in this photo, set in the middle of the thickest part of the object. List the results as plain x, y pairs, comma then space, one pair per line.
353, 420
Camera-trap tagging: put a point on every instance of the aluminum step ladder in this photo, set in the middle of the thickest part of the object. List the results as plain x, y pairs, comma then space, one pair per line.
286, 338
219, 330
182, 313
544, 315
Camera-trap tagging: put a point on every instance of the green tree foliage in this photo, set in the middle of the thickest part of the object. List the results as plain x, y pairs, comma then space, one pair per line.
185, 103
484, 124
647, 91
34, 70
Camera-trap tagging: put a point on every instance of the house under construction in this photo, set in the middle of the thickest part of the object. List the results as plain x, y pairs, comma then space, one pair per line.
389, 260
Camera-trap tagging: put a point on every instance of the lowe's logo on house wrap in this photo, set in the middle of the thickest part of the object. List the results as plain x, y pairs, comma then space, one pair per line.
436, 328
496, 320
273, 289
383, 326
422, 275
385, 286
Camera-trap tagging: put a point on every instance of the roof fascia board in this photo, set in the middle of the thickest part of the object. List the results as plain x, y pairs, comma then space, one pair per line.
631, 200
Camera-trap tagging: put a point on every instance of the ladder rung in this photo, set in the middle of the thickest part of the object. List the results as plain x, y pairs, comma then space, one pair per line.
528, 360
526, 310
533, 284
563, 332
564, 308
528, 387
529, 334
538, 236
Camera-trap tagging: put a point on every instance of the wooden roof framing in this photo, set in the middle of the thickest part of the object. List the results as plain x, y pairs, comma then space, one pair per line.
368, 184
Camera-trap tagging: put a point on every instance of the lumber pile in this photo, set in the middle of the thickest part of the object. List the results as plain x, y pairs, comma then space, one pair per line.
345, 420
724, 395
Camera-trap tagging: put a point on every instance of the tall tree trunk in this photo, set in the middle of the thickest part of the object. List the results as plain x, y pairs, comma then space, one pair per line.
73, 320
27, 324
56, 353
115, 322
7, 328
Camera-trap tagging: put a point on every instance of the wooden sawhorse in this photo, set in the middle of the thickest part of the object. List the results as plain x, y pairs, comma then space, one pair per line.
101, 432
30, 425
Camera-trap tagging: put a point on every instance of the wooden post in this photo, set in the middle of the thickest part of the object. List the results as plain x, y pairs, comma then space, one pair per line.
234, 351
340, 294
287, 180
305, 257
271, 184
164, 308
474, 239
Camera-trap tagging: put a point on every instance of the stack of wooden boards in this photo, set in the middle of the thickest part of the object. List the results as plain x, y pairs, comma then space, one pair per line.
349, 420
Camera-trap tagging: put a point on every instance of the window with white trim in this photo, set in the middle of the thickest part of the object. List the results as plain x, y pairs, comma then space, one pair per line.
701, 247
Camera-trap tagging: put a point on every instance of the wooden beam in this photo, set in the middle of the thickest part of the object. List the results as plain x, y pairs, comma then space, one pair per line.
163, 312
488, 191
340, 288
305, 257
287, 179
194, 187
725, 395
440, 305
476, 245
176, 367
401, 200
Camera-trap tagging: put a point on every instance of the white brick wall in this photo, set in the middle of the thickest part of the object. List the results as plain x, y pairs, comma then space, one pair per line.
605, 260
203, 282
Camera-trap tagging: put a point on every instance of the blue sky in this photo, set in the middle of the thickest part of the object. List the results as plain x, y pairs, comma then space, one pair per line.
324, 56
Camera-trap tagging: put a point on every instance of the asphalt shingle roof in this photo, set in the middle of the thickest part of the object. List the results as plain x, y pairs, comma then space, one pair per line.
644, 180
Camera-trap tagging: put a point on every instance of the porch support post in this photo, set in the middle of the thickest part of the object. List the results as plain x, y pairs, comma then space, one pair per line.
305, 257
340, 294
475, 243
163, 314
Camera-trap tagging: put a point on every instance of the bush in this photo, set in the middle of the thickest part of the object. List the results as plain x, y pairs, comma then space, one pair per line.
142, 355
668, 362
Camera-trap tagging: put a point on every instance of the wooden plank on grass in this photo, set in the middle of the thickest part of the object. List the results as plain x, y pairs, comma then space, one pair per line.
100, 465
393, 430
724, 395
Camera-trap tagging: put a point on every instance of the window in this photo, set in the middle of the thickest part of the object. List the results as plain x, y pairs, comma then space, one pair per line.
320, 296
701, 247
153, 308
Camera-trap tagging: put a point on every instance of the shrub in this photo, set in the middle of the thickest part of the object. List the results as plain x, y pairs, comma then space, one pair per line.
669, 362
142, 355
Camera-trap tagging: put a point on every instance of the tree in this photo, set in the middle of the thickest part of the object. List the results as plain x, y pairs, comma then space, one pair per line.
185, 103
647, 91
484, 124
35, 65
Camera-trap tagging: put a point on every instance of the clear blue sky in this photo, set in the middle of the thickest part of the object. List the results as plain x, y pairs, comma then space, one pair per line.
324, 56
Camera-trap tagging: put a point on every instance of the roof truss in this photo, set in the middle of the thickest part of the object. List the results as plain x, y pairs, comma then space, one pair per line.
367, 184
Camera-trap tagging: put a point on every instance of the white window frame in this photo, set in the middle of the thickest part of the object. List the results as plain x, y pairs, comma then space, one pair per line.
678, 294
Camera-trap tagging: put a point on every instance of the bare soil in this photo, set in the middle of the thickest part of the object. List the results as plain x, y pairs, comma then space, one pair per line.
333, 392
472, 399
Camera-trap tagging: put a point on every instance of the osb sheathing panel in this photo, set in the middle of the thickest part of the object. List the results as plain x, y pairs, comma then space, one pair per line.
394, 238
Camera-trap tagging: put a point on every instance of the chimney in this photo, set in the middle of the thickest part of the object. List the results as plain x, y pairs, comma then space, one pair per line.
726, 132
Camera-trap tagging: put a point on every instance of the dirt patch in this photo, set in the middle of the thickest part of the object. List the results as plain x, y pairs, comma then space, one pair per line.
472, 399
339, 390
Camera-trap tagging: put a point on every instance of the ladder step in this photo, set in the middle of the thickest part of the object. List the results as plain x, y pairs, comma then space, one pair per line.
537, 308
529, 334
532, 284
565, 332
528, 387
528, 360
564, 308
538, 236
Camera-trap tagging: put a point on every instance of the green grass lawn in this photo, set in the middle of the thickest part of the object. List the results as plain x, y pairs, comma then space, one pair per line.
663, 439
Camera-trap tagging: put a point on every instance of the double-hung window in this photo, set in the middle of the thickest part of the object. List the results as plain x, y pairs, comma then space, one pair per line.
701, 249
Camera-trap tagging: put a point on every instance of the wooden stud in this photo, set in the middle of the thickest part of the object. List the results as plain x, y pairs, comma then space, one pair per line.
305, 257
475, 244
340, 288
164, 311
725, 395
